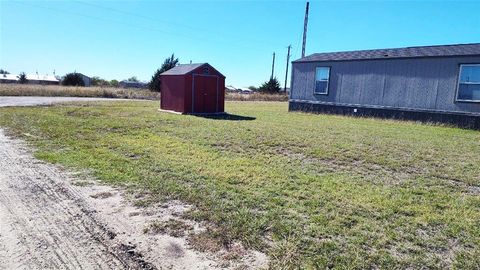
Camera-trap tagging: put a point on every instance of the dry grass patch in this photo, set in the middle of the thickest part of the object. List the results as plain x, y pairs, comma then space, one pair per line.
73, 91
207, 242
113, 92
255, 97
173, 227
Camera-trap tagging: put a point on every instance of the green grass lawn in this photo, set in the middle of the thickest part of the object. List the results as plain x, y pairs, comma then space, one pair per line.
312, 191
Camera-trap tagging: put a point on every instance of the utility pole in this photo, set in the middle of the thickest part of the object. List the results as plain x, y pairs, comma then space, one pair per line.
286, 70
305, 30
273, 66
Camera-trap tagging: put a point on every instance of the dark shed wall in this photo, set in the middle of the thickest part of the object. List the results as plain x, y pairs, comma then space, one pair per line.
416, 83
173, 93
188, 93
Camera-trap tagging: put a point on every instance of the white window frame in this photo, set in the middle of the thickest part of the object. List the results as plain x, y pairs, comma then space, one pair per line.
459, 82
328, 81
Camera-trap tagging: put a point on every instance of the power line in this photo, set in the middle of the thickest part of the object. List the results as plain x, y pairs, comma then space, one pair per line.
162, 20
137, 15
93, 17
176, 34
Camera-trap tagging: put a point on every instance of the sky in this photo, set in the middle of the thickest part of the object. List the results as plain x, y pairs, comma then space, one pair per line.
121, 39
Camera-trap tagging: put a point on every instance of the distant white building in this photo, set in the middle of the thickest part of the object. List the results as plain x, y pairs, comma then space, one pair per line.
41, 79
31, 79
8, 78
230, 88
242, 90
130, 84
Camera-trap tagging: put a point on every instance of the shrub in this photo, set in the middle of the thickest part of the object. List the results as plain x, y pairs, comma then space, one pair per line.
97, 81
114, 83
253, 88
133, 79
73, 79
270, 86
155, 83
22, 78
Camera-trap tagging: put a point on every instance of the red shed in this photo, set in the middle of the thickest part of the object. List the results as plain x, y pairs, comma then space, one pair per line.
193, 88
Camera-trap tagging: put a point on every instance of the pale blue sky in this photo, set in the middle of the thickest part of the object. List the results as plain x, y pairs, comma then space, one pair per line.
120, 39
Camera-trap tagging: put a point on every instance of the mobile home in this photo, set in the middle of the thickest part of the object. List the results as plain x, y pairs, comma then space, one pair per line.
430, 83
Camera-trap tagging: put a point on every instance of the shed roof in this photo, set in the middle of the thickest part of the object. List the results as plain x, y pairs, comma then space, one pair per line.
182, 69
408, 52
186, 68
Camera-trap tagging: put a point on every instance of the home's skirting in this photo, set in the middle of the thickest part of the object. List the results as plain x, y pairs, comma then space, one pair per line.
457, 119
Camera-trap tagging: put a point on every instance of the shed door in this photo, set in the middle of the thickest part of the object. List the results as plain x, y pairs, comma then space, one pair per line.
205, 94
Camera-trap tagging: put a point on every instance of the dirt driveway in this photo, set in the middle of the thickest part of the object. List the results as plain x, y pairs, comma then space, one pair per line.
51, 218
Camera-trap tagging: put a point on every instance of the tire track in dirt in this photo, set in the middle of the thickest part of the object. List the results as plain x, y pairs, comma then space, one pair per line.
43, 222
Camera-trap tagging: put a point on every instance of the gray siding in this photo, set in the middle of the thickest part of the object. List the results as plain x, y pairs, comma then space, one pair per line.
86, 80
416, 83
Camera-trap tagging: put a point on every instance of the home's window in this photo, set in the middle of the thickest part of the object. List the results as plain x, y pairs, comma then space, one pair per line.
469, 83
206, 70
322, 75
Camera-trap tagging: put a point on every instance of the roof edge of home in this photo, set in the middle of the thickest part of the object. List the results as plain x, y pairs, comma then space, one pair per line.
385, 58
386, 49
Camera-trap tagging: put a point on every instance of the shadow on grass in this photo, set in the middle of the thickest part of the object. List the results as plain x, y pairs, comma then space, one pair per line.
226, 116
